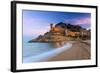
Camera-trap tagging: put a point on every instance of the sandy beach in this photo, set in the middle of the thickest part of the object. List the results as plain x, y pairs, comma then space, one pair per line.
80, 50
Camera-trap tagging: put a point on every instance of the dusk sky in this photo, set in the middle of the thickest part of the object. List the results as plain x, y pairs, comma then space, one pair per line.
38, 22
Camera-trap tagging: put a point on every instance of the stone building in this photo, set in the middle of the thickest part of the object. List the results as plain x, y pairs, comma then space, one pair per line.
61, 29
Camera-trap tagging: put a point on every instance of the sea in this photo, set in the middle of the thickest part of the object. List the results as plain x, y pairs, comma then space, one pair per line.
39, 51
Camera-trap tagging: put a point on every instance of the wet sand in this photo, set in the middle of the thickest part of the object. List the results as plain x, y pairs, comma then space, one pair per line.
79, 51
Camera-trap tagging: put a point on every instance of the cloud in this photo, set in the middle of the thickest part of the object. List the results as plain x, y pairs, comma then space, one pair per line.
86, 21
83, 21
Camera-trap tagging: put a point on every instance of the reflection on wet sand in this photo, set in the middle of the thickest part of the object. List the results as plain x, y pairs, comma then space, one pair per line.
59, 44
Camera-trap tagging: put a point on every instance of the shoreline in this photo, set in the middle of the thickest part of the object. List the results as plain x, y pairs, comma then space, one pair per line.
80, 50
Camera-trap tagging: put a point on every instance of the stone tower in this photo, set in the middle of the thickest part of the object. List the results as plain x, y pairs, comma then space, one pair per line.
51, 26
